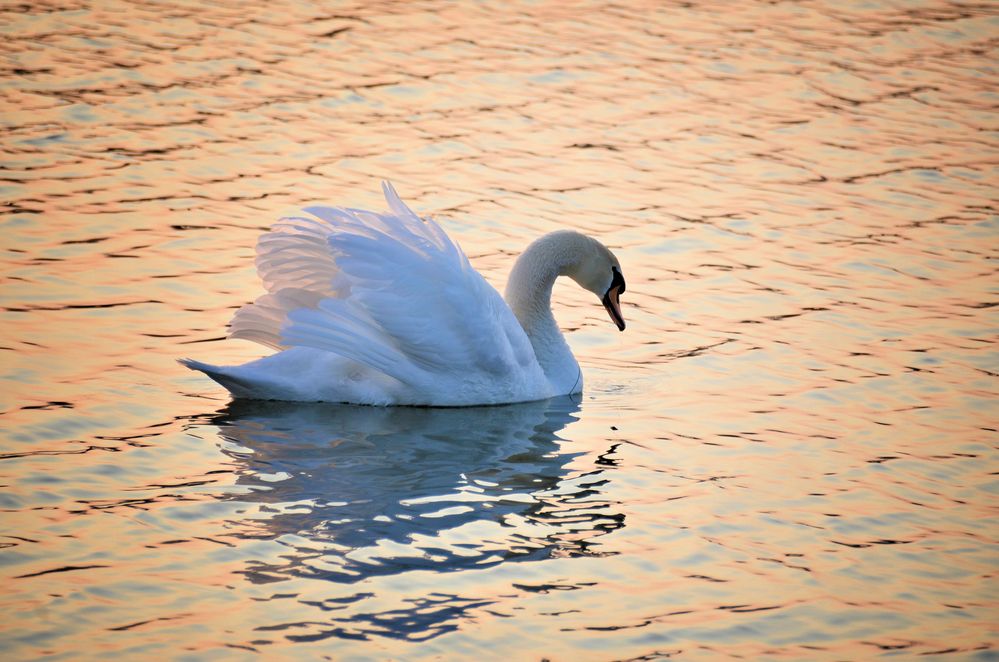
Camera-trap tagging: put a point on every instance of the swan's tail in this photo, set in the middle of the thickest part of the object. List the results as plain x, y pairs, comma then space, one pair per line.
221, 374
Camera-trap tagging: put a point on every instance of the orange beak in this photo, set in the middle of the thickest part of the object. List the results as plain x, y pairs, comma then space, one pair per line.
612, 303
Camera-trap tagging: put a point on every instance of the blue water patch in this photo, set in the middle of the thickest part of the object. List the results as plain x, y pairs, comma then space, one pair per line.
405, 90
81, 112
728, 234
819, 395
873, 268
675, 246
178, 93
45, 140
342, 100
724, 67
967, 173
929, 175
554, 76
100, 44
445, 147
22, 376
11, 191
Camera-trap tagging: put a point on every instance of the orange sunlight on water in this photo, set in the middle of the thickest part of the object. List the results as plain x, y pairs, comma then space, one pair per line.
789, 454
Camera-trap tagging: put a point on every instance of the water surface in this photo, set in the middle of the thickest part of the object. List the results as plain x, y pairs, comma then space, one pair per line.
789, 454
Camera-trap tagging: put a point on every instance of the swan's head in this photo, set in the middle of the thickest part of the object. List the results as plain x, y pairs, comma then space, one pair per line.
597, 270
564, 253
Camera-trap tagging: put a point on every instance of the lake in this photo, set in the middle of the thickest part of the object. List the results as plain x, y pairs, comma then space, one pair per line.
790, 453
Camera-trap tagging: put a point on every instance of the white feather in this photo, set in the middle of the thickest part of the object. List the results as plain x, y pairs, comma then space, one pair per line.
385, 309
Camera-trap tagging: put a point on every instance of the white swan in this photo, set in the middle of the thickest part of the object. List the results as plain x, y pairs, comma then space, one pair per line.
384, 309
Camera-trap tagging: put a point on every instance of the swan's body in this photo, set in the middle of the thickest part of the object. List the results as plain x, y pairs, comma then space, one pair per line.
384, 309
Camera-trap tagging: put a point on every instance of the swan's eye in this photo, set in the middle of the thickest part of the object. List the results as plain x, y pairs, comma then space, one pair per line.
617, 281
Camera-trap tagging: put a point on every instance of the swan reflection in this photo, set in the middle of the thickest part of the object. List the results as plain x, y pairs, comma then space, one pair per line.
356, 492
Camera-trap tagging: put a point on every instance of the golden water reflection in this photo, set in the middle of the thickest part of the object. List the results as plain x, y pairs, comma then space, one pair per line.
789, 453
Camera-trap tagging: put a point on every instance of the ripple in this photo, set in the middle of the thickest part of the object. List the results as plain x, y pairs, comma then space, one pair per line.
786, 455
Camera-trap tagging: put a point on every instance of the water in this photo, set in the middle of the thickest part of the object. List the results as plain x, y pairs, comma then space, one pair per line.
789, 454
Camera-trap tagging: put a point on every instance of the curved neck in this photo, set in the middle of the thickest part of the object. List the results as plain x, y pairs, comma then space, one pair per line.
529, 290
529, 293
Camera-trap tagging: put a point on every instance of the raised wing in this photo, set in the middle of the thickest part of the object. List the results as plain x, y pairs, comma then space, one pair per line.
294, 262
391, 291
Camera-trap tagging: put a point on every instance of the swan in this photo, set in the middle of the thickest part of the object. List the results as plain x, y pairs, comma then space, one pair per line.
384, 309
